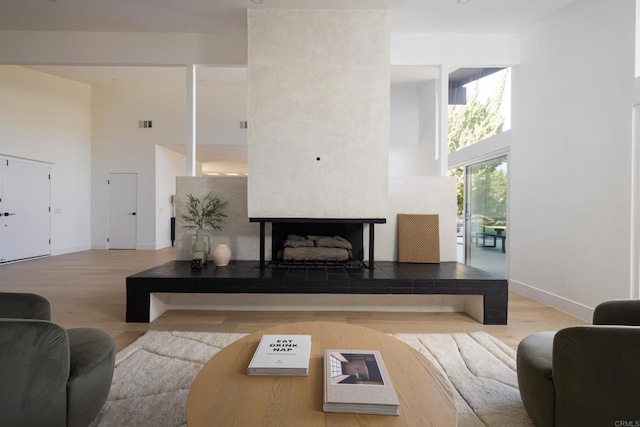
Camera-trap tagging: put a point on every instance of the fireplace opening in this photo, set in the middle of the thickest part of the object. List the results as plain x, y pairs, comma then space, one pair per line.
317, 244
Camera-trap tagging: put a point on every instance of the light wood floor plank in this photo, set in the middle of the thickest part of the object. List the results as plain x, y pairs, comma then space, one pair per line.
87, 289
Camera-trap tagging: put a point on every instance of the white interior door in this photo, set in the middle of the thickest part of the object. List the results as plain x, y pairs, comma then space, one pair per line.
123, 210
24, 210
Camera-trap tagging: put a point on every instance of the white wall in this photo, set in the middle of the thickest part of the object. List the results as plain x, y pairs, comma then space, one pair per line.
428, 127
48, 119
119, 146
413, 131
571, 152
419, 195
169, 165
318, 113
219, 112
454, 49
405, 115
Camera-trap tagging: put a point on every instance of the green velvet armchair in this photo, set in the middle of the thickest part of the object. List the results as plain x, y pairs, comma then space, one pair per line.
49, 376
584, 375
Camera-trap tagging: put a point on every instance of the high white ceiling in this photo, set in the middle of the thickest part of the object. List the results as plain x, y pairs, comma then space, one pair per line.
214, 16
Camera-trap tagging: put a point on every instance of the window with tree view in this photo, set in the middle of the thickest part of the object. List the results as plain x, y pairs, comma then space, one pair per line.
478, 108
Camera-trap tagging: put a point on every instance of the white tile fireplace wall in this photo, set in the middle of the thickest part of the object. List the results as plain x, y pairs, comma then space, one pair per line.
318, 113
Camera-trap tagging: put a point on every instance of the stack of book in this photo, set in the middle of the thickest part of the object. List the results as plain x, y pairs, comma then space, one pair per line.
281, 355
357, 381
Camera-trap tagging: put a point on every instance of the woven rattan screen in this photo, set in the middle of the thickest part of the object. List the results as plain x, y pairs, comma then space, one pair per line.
418, 238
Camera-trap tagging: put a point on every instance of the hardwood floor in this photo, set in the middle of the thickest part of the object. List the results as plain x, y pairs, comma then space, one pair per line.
87, 289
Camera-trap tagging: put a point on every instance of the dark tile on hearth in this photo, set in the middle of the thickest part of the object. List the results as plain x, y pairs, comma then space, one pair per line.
262, 285
337, 273
316, 286
317, 274
394, 274
360, 286
296, 273
444, 287
356, 272
396, 287
381, 287
231, 285
495, 302
252, 274
424, 286
209, 284
221, 273
379, 275
338, 286
295, 285
504, 287
488, 287
273, 273
466, 287
364, 275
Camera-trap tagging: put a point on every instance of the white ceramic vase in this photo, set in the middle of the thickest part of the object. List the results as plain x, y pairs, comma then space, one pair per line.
221, 254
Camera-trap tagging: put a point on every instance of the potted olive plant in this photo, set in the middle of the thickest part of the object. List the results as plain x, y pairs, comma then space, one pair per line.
206, 213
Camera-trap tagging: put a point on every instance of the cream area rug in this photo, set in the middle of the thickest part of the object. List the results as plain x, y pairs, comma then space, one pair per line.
153, 375
481, 372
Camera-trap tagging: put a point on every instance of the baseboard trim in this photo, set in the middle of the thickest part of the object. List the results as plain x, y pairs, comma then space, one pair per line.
69, 250
146, 247
568, 306
163, 245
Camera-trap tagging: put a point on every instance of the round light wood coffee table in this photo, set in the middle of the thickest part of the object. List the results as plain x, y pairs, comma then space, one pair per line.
224, 395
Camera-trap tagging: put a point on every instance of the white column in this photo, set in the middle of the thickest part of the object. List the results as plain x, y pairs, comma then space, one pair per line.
442, 143
191, 120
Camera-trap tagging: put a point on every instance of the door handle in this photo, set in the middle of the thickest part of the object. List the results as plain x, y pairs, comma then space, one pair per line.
7, 214
132, 213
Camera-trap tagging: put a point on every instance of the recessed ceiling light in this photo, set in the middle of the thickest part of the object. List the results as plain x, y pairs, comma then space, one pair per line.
257, 1
463, 1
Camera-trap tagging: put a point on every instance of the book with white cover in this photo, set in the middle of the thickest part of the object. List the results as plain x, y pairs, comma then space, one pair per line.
357, 381
281, 355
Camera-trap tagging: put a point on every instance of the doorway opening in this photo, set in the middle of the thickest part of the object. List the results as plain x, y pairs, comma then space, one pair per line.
482, 223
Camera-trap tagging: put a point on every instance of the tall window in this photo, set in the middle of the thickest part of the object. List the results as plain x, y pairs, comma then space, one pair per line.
480, 108
479, 105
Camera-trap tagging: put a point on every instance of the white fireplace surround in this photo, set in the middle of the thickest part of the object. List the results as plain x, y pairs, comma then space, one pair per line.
318, 113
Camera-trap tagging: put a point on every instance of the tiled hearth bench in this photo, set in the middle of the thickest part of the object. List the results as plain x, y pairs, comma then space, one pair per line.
487, 295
